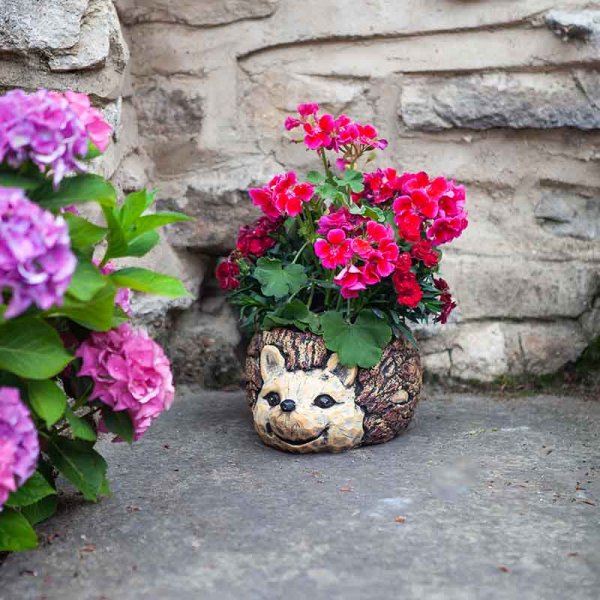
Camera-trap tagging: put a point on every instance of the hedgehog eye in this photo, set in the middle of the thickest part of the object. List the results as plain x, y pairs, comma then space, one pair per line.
324, 401
272, 398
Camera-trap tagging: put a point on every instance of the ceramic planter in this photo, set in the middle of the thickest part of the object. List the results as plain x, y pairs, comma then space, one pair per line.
303, 400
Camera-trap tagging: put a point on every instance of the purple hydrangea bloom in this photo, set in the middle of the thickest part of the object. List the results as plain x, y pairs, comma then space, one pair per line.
42, 127
19, 445
36, 261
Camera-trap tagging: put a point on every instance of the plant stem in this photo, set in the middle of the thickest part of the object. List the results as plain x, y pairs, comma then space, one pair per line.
300, 252
325, 164
349, 310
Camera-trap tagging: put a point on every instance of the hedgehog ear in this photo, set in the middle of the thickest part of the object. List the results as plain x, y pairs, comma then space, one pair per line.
346, 375
271, 362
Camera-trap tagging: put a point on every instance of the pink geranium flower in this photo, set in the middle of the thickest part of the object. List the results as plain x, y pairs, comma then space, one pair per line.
334, 252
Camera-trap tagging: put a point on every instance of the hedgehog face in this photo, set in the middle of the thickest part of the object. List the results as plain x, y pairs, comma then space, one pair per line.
307, 411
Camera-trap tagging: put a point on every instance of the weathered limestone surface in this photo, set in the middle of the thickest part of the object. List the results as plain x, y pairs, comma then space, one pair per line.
503, 96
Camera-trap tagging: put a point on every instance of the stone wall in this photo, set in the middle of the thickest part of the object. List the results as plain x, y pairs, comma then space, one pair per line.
502, 95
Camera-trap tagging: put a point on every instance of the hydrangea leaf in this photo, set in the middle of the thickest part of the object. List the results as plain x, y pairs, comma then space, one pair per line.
16, 533
96, 313
32, 491
134, 206
32, 349
79, 463
150, 282
360, 343
47, 400
87, 280
41, 510
119, 423
83, 233
277, 280
80, 428
76, 190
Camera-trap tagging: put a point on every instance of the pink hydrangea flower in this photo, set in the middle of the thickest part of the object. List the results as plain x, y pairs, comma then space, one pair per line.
49, 130
130, 372
19, 445
93, 120
36, 261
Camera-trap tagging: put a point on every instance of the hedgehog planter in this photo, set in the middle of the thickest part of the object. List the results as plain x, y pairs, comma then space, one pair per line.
303, 400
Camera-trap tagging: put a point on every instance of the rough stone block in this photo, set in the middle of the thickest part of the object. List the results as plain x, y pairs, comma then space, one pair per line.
218, 216
194, 12
580, 25
100, 34
565, 213
27, 25
520, 288
479, 352
515, 100
165, 110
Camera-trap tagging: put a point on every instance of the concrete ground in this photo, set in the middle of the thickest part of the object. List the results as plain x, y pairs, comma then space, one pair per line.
481, 499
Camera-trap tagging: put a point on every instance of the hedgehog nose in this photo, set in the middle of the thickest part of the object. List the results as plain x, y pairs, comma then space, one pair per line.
288, 405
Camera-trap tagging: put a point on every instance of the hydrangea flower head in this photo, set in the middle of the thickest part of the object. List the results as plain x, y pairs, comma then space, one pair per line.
19, 445
130, 372
36, 261
50, 129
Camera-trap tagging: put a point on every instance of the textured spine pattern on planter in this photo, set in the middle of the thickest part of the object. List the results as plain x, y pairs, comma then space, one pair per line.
387, 393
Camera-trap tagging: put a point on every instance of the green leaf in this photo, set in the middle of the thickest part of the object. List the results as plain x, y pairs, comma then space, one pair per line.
279, 281
360, 343
47, 400
16, 534
315, 177
293, 313
87, 280
142, 244
105, 488
32, 349
80, 428
32, 491
119, 422
96, 314
150, 282
134, 206
117, 242
372, 212
41, 510
79, 463
83, 233
150, 222
76, 190
12, 180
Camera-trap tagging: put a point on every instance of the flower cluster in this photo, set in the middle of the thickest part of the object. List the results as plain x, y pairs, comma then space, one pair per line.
256, 239
349, 248
330, 133
19, 446
50, 129
228, 273
283, 196
448, 305
366, 250
36, 261
130, 372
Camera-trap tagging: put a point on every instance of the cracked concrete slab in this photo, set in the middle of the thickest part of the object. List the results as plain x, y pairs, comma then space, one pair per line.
480, 498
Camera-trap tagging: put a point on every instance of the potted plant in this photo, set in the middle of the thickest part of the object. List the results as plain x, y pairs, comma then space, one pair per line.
328, 280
